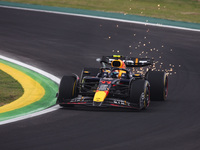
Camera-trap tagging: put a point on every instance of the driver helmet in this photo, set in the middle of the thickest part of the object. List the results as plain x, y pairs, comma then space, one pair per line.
114, 74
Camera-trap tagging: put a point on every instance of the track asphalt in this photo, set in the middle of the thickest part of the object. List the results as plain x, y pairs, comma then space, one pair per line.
62, 44
106, 15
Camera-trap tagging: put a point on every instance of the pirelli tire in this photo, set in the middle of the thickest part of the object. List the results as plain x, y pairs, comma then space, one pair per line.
67, 90
159, 85
89, 72
139, 94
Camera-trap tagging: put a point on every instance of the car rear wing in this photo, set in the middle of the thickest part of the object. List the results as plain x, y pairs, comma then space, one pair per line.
129, 61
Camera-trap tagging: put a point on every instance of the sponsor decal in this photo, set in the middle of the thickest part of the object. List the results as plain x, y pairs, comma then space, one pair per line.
121, 102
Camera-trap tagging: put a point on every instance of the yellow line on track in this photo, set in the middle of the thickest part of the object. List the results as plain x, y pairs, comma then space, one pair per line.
33, 91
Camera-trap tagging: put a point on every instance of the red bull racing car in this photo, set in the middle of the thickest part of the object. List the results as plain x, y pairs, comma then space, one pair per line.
121, 82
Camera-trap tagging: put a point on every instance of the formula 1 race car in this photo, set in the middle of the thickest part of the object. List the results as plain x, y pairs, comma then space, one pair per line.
114, 84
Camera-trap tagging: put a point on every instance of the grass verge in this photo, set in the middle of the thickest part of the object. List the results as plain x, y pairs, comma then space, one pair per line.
179, 10
10, 89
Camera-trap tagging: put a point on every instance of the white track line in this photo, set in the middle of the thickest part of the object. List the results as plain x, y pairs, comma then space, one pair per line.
48, 75
103, 18
51, 109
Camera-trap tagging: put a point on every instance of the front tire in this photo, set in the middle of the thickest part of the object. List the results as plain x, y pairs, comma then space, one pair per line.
67, 90
139, 94
159, 85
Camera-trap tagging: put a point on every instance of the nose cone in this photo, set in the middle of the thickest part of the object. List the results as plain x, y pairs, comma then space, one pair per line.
100, 96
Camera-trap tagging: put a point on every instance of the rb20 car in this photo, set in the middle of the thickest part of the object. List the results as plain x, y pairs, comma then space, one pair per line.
121, 82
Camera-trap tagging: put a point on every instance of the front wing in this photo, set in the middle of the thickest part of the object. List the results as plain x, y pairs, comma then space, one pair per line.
108, 102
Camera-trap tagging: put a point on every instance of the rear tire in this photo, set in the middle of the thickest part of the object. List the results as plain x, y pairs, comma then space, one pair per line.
139, 94
67, 90
159, 85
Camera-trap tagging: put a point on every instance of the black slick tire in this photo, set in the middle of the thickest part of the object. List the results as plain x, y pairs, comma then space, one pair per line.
159, 85
139, 93
67, 90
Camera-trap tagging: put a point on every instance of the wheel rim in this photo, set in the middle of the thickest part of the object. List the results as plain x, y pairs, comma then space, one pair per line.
166, 87
146, 98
